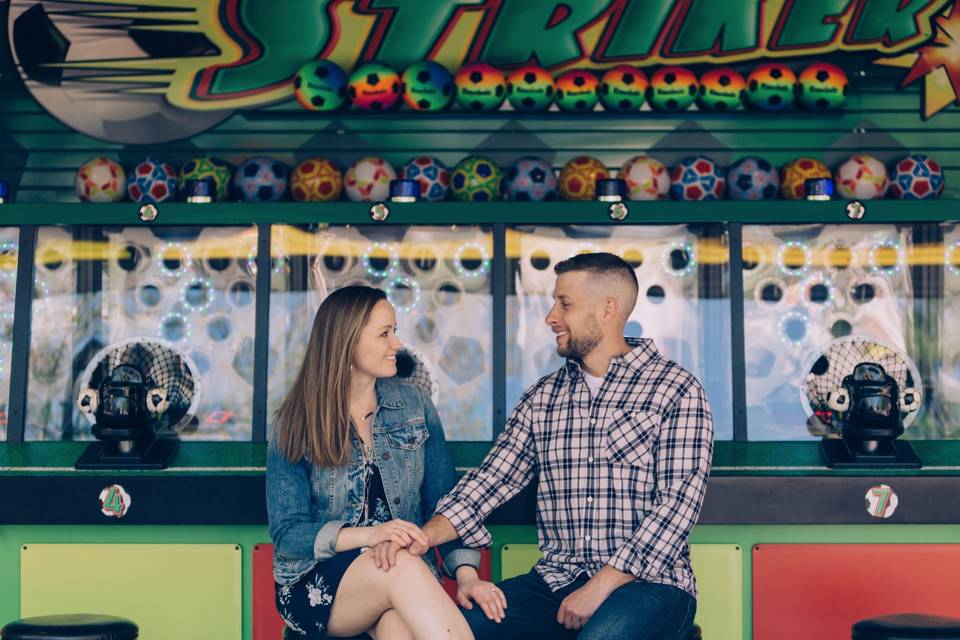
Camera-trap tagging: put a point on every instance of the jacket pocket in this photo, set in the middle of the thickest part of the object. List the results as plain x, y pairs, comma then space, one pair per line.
409, 436
630, 438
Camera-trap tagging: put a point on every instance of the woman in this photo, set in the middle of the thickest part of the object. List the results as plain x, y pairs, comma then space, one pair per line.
358, 460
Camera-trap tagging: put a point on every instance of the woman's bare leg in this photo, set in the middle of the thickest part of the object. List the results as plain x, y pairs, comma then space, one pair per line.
390, 627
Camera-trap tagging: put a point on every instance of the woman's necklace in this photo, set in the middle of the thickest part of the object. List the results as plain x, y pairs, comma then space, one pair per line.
366, 450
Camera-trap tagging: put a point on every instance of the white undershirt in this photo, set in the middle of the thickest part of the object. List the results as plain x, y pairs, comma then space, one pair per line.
593, 382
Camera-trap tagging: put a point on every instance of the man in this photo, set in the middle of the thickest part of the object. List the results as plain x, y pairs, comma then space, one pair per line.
620, 440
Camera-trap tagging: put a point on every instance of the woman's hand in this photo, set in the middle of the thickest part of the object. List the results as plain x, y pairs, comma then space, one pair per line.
385, 555
486, 594
401, 532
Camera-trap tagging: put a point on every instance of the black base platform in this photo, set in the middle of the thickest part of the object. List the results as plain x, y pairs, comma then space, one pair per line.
892, 454
156, 454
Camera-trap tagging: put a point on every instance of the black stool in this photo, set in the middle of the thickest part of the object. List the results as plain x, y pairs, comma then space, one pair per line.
694, 634
907, 626
74, 626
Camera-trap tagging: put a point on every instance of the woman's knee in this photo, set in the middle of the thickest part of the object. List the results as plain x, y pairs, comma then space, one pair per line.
391, 627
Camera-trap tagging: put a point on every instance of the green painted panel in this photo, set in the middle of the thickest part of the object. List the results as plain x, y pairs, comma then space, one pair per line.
517, 559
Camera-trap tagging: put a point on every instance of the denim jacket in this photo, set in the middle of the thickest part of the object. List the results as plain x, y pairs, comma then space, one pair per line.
307, 505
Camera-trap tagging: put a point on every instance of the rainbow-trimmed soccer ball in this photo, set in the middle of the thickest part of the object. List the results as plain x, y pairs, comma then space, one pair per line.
431, 173
577, 90
207, 167
530, 88
374, 87
368, 180
427, 86
152, 181
772, 87
261, 179
578, 178
862, 177
722, 89
797, 172
316, 180
916, 177
100, 180
752, 179
623, 88
672, 89
530, 179
475, 179
320, 85
480, 87
822, 86
647, 178
697, 178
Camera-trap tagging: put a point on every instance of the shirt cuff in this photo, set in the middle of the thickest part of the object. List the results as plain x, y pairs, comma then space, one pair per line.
623, 561
325, 544
469, 527
458, 558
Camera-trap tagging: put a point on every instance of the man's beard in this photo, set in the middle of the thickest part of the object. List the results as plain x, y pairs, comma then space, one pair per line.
578, 347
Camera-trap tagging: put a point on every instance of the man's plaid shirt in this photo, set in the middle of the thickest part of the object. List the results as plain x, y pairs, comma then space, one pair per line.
621, 477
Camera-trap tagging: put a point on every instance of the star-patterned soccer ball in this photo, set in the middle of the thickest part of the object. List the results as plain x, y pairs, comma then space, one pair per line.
647, 178
697, 178
368, 180
823, 87
433, 176
530, 179
316, 180
530, 88
916, 177
722, 89
261, 180
374, 87
797, 172
752, 179
578, 178
207, 167
320, 85
427, 86
100, 180
771, 87
475, 179
577, 90
480, 87
152, 181
623, 88
862, 177
672, 89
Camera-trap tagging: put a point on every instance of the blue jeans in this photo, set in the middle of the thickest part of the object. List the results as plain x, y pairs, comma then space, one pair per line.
635, 611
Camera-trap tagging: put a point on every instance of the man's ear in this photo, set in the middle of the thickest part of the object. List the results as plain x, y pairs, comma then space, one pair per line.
610, 310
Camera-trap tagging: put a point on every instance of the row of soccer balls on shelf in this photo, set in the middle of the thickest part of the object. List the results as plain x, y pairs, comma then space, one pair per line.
479, 179
321, 85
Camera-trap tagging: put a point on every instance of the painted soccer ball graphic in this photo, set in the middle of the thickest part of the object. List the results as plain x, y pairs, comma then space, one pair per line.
530, 179
530, 88
100, 180
475, 179
862, 177
697, 178
647, 178
577, 90
368, 180
152, 181
427, 86
771, 87
320, 85
623, 88
374, 87
480, 87
797, 172
672, 89
823, 86
316, 180
752, 179
207, 167
433, 176
916, 177
722, 89
261, 180
579, 176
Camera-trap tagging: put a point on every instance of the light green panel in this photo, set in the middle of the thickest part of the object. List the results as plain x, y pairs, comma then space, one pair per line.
169, 590
516, 559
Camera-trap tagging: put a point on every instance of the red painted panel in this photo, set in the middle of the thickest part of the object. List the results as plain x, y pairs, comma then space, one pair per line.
804, 591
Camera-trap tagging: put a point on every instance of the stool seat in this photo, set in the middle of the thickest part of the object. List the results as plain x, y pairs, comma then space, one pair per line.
907, 626
73, 626
694, 633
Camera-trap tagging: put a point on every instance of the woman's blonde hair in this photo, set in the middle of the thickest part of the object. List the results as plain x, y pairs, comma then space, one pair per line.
314, 420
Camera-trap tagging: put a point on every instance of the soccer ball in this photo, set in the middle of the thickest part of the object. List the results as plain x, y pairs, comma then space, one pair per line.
316, 180
260, 180
100, 180
862, 177
530, 179
374, 87
480, 87
427, 86
433, 176
207, 167
579, 176
320, 85
752, 179
368, 180
577, 90
771, 87
530, 88
697, 178
823, 87
623, 88
152, 181
797, 172
916, 177
647, 178
475, 179
672, 89
722, 89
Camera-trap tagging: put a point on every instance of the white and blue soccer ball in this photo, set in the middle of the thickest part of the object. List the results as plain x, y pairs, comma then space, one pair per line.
152, 181
431, 173
530, 179
261, 179
916, 177
752, 179
697, 178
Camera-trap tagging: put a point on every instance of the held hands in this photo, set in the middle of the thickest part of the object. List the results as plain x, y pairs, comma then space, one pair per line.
402, 533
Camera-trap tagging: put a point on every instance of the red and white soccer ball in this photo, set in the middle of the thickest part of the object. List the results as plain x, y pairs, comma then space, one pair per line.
100, 180
647, 178
368, 180
862, 177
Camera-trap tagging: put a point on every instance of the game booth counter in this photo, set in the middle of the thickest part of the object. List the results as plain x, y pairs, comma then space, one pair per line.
182, 183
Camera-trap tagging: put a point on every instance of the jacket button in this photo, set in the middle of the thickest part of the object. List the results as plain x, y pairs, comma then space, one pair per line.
386, 455
396, 501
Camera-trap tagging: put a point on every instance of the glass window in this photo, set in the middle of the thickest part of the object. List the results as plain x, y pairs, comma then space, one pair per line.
9, 243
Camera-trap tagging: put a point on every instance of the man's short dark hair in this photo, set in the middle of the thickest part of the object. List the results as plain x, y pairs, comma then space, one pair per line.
600, 263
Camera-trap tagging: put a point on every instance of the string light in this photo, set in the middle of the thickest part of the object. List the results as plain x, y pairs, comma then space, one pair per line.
687, 249
407, 283
206, 287
886, 269
392, 265
480, 271
793, 270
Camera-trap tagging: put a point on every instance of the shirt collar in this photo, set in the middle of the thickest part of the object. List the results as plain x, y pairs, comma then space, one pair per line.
642, 352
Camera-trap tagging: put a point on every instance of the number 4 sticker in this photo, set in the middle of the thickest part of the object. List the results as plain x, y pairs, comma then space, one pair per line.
114, 501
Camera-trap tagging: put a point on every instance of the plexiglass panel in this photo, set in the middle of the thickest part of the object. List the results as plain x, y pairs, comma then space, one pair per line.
9, 250
437, 278
192, 287
940, 346
684, 303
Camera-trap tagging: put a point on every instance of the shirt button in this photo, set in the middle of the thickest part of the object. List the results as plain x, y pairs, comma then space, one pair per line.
593, 421
589, 498
590, 459
587, 538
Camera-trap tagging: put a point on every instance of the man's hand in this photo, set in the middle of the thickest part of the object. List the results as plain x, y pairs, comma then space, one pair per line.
438, 530
577, 607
